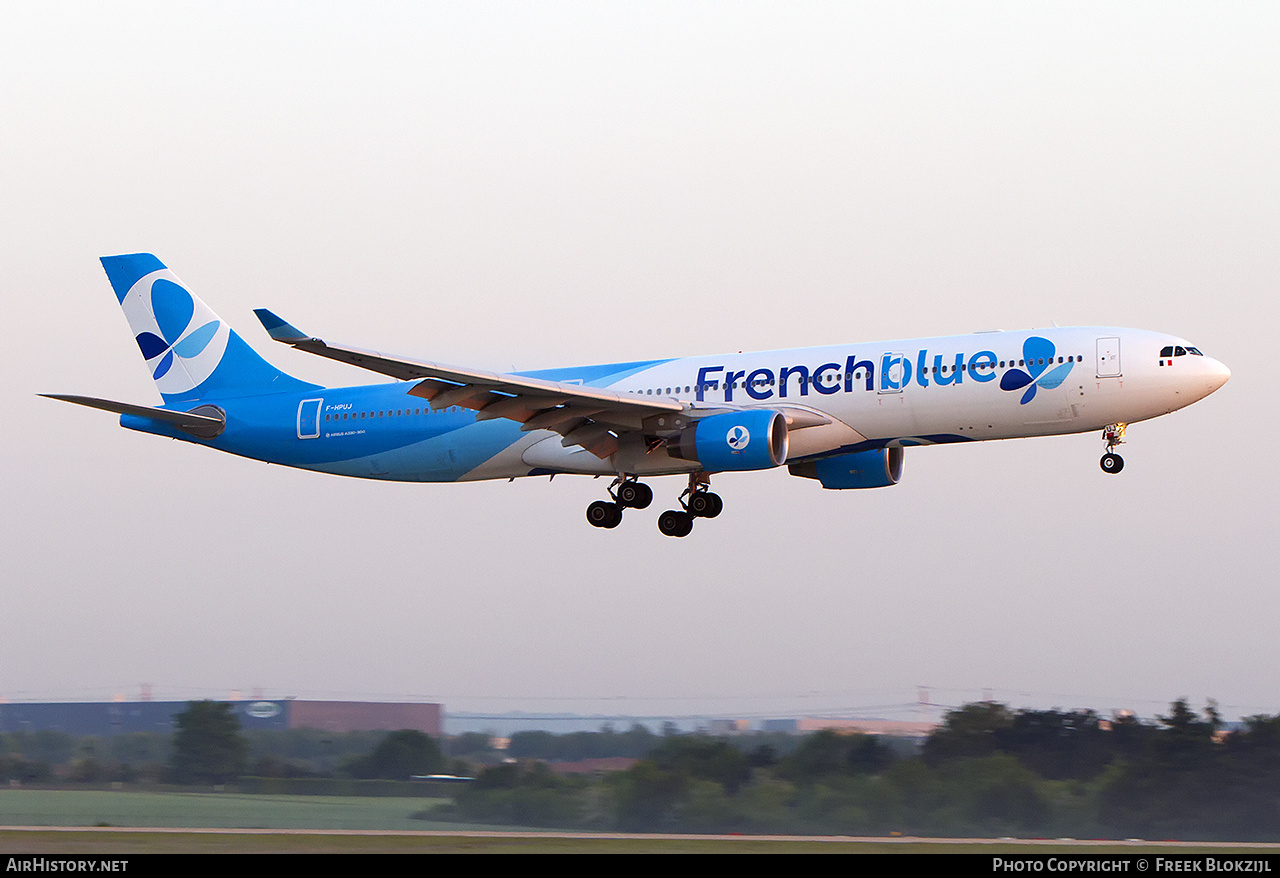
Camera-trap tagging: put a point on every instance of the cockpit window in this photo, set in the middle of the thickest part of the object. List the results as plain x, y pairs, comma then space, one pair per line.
1166, 351
1195, 352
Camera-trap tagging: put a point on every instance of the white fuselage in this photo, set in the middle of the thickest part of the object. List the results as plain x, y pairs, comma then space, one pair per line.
913, 392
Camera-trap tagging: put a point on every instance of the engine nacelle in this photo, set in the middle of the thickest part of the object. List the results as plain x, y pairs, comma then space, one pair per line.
753, 439
861, 469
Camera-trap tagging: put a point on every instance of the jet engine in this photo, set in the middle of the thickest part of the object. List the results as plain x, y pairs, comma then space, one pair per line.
746, 440
860, 469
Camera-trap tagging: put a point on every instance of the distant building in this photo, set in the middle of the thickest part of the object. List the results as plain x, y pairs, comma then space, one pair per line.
729, 726
123, 717
364, 716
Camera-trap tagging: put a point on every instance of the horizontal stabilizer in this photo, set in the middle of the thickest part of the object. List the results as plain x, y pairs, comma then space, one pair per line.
206, 424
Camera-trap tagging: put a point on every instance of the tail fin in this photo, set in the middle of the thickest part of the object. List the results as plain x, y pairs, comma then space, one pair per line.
191, 353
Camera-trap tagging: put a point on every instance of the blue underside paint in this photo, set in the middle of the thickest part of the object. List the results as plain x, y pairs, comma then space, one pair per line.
436, 447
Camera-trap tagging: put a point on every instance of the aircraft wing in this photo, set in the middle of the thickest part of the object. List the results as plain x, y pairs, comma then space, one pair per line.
591, 417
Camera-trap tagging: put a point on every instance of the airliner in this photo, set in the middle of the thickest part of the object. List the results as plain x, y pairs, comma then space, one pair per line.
841, 415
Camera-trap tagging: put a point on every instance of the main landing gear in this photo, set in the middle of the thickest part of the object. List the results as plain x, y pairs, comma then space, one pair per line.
701, 504
626, 492
1113, 435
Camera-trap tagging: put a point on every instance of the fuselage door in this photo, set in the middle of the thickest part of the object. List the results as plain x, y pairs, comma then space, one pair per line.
309, 418
893, 373
1109, 358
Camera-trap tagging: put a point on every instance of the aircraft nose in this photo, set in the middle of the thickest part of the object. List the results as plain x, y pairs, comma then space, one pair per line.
1218, 374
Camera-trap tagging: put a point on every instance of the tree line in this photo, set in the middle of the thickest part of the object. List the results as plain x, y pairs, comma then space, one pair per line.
986, 770
208, 747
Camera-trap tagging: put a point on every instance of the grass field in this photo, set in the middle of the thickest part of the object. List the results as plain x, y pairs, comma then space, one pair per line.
242, 811
111, 842
329, 817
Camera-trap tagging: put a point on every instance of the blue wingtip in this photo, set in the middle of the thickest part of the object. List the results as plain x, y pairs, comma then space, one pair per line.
124, 271
278, 329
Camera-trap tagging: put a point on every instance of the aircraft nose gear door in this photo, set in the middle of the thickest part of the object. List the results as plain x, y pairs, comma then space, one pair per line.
309, 418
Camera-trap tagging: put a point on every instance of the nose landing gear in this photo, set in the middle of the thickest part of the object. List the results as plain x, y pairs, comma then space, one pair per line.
1112, 462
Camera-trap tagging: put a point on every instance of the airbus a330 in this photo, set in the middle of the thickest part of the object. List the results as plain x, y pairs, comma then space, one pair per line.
840, 415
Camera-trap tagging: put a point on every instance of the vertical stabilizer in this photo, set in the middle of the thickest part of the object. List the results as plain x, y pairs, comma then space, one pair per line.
191, 353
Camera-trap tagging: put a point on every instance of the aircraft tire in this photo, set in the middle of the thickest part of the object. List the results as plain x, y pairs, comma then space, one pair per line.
636, 495
602, 513
704, 504
1111, 463
674, 523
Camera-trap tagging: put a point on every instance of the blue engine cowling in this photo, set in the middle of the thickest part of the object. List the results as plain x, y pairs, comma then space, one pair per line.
862, 469
754, 439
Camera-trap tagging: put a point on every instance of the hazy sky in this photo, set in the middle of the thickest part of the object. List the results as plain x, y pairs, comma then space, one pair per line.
540, 184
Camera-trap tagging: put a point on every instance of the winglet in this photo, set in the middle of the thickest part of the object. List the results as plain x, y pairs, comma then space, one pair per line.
280, 330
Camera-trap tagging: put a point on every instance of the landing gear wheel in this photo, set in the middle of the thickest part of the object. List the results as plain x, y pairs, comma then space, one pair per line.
704, 504
602, 513
635, 495
1111, 463
674, 523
